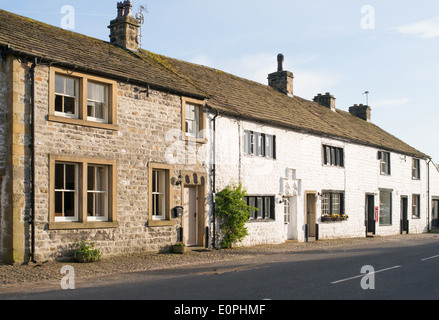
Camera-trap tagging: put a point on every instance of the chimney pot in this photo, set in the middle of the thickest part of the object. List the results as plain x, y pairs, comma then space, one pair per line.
326, 100
119, 10
361, 111
280, 62
127, 5
281, 80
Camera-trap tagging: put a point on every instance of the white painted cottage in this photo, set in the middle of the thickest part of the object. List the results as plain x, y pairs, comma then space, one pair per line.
317, 172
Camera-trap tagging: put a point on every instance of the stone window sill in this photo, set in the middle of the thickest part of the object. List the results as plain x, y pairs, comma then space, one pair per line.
84, 123
82, 225
160, 223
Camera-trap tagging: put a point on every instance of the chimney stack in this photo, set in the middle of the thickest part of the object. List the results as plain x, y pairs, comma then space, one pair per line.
326, 100
124, 30
281, 80
361, 111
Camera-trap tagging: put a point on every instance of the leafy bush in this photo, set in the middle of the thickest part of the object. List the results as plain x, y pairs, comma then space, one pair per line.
87, 252
233, 214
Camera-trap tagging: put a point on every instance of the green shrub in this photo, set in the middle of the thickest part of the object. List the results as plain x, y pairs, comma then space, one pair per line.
87, 252
233, 214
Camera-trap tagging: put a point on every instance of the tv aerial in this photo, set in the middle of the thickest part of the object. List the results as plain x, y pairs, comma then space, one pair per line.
367, 97
141, 18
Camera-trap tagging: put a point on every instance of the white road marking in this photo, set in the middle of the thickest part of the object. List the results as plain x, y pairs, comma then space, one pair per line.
362, 275
434, 257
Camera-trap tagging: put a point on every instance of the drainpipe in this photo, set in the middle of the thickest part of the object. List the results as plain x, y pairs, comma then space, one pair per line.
32, 215
428, 194
214, 180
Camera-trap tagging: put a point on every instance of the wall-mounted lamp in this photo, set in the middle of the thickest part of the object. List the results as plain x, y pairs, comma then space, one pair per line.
178, 211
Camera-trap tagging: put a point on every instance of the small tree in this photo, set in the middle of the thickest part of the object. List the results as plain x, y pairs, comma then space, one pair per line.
233, 214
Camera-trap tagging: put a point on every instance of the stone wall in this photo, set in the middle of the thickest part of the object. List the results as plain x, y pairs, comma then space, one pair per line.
15, 157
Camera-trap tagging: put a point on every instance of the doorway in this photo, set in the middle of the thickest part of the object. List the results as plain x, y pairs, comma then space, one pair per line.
435, 214
404, 215
190, 216
370, 215
311, 225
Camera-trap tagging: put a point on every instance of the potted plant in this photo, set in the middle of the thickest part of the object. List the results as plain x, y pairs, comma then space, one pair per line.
87, 252
179, 248
334, 217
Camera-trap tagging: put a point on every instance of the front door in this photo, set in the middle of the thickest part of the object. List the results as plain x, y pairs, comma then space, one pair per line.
370, 215
404, 215
190, 216
435, 214
311, 217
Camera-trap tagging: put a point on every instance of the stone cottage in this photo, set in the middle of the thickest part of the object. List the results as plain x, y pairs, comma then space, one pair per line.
97, 141
104, 141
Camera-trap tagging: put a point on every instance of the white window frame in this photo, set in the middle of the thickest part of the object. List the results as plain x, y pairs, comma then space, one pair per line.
416, 206
195, 120
102, 192
74, 115
260, 145
385, 168
63, 218
159, 177
105, 103
416, 169
287, 209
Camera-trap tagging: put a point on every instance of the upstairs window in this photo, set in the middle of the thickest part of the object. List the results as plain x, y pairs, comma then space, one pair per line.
194, 122
259, 144
82, 99
384, 158
333, 156
66, 96
97, 102
416, 169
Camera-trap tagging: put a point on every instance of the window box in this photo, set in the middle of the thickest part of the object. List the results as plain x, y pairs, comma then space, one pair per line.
334, 217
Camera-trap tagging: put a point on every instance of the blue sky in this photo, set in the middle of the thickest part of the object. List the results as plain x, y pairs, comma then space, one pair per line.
389, 48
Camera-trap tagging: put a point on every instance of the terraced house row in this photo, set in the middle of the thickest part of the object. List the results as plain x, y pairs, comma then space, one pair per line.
102, 140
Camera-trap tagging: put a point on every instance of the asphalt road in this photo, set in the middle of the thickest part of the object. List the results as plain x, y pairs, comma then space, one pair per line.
397, 270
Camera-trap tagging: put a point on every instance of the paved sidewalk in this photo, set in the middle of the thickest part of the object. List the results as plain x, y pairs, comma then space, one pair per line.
15, 277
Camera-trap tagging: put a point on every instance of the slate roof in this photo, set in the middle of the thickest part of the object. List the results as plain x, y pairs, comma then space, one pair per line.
225, 92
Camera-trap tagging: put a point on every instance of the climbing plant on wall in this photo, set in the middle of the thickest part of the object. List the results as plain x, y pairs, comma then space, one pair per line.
233, 214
